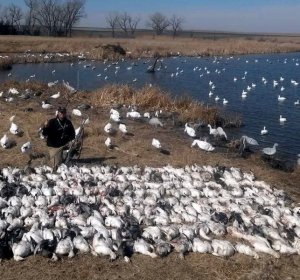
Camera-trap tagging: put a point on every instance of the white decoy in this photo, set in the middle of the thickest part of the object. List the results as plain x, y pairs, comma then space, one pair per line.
270, 151
108, 143
123, 128
217, 98
282, 88
46, 105
115, 117
282, 119
108, 128
26, 148
189, 130
56, 95
281, 79
203, 145
225, 101
297, 102
156, 143
13, 91
5, 142
134, 115
14, 129
219, 131
264, 131
281, 98
76, 112
210, 94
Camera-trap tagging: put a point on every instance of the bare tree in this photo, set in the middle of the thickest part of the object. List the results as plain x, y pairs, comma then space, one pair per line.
112, 21
133, 22
123, 22
176, 24
13, 15
30, 20
73, 11
158, 22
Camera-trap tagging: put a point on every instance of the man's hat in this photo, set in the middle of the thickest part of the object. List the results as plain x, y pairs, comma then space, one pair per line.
61, 109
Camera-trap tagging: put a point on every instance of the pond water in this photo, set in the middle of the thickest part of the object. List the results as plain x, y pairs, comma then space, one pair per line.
197, 77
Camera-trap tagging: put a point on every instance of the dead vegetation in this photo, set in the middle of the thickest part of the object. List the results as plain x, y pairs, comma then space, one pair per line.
6, 64
143, 46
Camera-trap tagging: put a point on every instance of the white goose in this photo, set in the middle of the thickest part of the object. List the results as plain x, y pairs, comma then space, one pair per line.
282, 119
14, 129
26, 148
4, 141
281, 98
189, 130
270, 151
56, 95
156, 143
264, 131
76, 112
203, 145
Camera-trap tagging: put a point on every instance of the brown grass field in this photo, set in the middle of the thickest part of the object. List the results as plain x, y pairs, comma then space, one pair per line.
149, 46
135, 148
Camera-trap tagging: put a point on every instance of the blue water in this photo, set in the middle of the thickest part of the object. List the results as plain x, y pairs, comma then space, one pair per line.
260, 108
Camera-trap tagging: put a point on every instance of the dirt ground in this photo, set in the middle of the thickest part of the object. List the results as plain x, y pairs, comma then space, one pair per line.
135, 148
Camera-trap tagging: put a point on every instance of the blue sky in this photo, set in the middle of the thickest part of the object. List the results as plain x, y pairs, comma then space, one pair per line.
279, 16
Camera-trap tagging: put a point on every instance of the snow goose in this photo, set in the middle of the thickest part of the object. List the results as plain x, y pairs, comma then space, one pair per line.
5, 142
26, 148
297, 102
76, 112
225, 101
56, 95
189, 130
46, 105
281, 98
203, 145
281, 119
264, 131
142, 247
14, 129
270, 151
156, 143
108, 143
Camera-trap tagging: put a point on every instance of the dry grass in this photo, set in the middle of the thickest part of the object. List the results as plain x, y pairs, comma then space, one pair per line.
6, 64
147, 46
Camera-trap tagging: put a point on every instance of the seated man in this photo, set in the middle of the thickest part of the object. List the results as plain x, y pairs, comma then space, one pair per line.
59, 132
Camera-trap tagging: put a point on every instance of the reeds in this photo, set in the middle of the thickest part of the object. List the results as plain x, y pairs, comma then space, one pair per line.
144, 46
152, 99
6, 64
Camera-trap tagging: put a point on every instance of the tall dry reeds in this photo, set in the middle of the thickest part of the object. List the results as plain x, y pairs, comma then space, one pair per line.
153, 98
6, 64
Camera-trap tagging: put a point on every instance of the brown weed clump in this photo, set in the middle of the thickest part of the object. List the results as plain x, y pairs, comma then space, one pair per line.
6, 64
153, 98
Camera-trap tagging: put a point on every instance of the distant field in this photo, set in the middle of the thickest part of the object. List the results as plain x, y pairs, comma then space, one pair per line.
146, 45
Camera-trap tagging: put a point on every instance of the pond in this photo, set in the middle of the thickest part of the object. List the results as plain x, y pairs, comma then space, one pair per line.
262, 77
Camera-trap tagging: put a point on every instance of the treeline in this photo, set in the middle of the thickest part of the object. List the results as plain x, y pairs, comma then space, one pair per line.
58, 17
158, 22
50, 17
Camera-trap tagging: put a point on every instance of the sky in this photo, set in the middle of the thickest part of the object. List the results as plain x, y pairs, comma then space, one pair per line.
276, 16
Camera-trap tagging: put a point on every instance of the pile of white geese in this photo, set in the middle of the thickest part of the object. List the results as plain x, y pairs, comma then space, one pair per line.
118, 211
